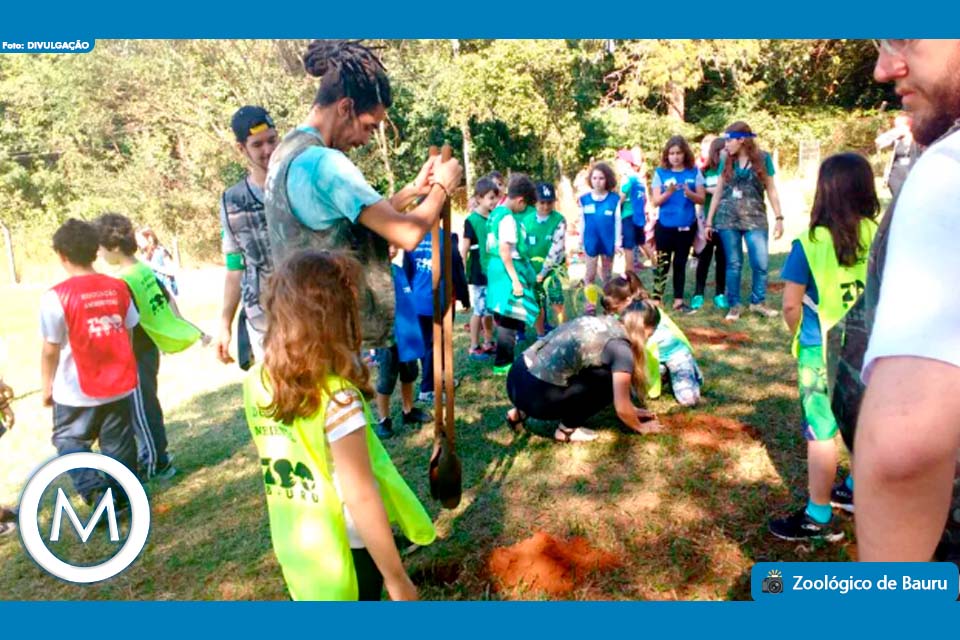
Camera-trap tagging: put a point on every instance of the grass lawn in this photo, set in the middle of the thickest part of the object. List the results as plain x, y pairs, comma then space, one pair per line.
684, 514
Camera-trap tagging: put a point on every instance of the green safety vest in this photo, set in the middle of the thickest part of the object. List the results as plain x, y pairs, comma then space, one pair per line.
307, 524
169, 332
482, 253
500, 298
654, 383
838, 287
540, 236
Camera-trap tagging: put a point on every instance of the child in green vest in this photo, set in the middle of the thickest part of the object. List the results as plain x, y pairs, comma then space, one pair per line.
473, 250
510, 274
332, 490
546, 246
161, 328
825, 274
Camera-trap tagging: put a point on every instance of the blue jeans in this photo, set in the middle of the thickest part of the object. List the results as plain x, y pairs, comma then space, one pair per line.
758, 254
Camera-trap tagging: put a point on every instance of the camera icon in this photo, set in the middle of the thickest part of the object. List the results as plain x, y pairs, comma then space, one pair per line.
773, 583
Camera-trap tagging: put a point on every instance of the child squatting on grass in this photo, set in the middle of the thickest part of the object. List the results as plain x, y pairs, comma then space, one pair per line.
332, 490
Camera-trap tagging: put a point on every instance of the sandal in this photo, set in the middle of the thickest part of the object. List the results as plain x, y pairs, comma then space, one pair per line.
574, 434
516, 425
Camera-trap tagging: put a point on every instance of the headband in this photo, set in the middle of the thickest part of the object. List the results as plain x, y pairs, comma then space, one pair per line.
736, 135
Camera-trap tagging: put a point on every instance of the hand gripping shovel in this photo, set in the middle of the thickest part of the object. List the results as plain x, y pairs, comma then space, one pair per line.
445, 471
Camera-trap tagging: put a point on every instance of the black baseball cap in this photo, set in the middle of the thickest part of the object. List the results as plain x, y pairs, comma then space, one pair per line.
546, 192
250, 120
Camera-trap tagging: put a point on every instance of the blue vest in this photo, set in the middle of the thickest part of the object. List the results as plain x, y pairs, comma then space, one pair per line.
599, 218
678, 210
406, 327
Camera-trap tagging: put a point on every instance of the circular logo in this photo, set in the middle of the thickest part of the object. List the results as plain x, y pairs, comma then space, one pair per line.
139, 517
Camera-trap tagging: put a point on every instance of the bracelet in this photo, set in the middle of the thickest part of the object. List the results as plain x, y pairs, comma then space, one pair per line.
437, 184
779, 218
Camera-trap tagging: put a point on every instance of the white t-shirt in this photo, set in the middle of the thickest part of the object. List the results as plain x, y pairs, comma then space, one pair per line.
507, 232
66, 381
342, 420
918, 313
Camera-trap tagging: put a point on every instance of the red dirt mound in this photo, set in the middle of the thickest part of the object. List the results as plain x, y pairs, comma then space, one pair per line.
544, 563
775, 287
700, 335
700, 429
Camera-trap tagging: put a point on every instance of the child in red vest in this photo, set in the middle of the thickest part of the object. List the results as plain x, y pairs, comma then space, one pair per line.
88, 370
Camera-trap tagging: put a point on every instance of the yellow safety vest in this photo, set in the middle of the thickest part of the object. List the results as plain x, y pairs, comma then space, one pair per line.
654, 383
838, 287
307, 524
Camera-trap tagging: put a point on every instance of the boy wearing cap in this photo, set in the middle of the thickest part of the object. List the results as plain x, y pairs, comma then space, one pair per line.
245, 242
546, 232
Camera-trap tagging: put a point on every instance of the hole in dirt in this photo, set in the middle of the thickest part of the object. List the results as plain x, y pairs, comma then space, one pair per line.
700, 429
704, 335
542, 563
438, 574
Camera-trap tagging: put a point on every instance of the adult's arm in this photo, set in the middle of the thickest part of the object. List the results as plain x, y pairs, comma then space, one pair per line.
906, 451
774, 195
407, 230
231, 301
404, 230
622, 402
715, 201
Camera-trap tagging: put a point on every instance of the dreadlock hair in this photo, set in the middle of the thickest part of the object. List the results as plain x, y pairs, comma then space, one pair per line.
348, 70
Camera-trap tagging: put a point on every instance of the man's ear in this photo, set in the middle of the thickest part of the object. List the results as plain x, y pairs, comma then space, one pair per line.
345, 107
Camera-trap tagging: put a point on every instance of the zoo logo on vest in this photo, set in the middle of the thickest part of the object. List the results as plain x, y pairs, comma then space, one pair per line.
37, 548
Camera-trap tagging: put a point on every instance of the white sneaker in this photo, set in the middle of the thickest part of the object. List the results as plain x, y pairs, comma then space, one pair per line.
733, 314
764, 310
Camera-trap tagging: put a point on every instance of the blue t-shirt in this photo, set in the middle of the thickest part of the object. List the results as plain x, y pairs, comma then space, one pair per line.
324, 186
418, 267
797, 270
678, 210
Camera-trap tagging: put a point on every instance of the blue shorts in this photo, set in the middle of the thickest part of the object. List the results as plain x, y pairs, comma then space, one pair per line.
595, 245
628, 233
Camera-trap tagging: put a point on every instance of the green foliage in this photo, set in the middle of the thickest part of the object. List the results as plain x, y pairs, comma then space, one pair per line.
142, 127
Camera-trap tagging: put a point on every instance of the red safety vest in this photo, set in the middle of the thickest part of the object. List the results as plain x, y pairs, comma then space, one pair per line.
95, 308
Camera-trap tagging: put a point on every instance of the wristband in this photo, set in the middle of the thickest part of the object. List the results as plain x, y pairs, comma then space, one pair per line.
437, 184
779, 218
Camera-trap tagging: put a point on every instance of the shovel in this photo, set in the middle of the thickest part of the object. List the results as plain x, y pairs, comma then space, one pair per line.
445, 471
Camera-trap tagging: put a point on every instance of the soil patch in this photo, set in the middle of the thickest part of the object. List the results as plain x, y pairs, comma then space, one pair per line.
700, 429
775, 287
547, 564
704, 335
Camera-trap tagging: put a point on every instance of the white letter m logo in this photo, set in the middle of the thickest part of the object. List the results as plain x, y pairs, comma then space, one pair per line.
105, 504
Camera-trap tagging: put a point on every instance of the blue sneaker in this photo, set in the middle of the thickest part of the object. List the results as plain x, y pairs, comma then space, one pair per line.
720, 301
696, 303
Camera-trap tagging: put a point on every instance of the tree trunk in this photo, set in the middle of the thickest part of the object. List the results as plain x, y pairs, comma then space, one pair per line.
384, 147
676, 104
467, 146
11, 262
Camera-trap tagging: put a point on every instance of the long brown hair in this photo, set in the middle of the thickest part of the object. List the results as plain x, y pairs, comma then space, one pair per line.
754, 154
633, 319
313, 331
845, 195
677, 141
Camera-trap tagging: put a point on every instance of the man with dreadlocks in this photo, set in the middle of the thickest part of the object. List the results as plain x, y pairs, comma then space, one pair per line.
317, 198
